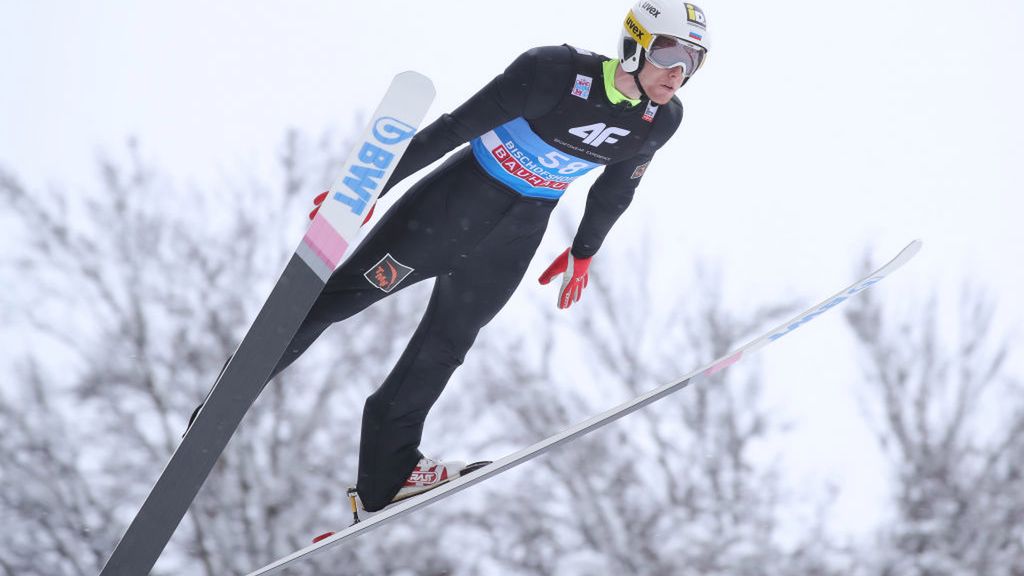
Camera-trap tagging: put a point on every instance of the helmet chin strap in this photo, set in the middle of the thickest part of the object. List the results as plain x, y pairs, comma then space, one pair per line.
636, 79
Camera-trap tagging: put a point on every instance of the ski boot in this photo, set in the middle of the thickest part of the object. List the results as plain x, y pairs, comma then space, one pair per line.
427, 475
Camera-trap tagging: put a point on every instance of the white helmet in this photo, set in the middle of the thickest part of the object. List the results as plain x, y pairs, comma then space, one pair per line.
682, 30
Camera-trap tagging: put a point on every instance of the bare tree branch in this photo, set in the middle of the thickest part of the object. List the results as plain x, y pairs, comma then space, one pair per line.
957, 473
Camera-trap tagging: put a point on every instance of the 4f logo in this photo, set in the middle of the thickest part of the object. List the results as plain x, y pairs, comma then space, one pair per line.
597, 134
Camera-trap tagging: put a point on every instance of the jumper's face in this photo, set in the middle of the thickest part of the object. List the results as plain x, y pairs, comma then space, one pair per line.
660, 84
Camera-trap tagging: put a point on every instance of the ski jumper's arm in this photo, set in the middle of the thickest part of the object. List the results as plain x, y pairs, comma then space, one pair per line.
613, 191
530, 87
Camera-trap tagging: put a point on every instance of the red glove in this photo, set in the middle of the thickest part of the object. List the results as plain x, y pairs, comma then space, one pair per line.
574, 277
323, 196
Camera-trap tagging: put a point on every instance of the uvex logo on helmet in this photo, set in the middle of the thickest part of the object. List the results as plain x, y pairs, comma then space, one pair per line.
597, 134
651, 9
639, 32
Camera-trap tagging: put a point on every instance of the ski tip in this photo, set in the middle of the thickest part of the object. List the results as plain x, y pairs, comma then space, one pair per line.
413, 80
907, 253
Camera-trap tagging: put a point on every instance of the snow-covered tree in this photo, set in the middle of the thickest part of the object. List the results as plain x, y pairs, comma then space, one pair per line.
133, 296
950, 419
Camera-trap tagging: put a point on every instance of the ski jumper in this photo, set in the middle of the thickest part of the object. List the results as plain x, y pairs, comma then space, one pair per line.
474, 223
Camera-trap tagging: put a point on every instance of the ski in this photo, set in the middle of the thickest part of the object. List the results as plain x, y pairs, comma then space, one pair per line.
498, 466
335, 227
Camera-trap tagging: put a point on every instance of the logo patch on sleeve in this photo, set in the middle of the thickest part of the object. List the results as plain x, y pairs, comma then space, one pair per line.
388, 273
582, 87
639, 171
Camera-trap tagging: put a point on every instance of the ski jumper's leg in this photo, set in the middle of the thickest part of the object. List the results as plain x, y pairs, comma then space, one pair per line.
483, 278
411, 244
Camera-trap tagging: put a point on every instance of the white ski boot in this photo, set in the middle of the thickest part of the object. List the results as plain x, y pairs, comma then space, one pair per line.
427, 475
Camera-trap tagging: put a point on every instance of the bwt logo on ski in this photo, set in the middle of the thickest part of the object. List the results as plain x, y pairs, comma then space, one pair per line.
597, 134
364, 178
825, 307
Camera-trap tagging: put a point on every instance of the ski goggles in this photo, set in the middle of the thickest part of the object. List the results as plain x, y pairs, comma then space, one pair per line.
669, 52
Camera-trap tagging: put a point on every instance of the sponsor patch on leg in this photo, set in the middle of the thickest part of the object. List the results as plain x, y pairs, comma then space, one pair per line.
387, 273
639, 170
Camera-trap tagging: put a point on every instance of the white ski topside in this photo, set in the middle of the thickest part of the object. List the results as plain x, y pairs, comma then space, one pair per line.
593, 423
366, 170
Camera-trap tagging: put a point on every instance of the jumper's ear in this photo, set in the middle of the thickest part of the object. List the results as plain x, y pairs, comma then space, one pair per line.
630, 55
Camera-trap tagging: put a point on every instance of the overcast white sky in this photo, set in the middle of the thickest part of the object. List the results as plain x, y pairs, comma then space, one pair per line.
815, 129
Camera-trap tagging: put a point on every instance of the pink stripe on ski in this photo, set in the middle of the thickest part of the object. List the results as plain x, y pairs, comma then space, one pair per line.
725, 363
325, 242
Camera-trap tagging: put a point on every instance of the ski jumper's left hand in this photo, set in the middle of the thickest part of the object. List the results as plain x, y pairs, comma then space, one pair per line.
574, 277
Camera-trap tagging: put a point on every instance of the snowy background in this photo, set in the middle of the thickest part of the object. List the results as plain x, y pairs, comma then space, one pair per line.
816, 132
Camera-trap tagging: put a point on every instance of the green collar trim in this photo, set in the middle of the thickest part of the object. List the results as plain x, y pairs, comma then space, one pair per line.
609, 84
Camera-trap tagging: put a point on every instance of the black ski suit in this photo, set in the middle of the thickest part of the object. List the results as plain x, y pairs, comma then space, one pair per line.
474, 224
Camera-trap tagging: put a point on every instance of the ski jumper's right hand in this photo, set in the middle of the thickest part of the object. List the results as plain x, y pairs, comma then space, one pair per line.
574, 277
319, 200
